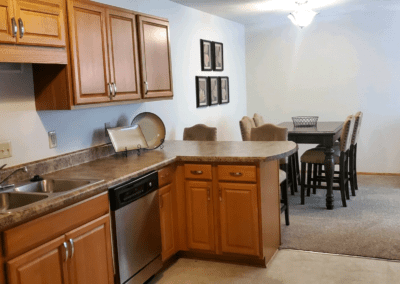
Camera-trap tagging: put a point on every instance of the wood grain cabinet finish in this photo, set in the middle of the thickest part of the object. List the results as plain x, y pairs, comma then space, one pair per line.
31, 22
167, 222
104, 68
8, 23
200, 215
239, 218
155, 57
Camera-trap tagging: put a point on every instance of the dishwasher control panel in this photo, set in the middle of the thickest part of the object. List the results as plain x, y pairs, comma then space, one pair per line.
131, 190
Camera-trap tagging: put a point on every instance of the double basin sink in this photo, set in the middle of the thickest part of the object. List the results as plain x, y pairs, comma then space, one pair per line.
30, 192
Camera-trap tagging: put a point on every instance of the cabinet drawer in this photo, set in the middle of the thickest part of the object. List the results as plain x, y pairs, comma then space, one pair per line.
196, 171
237, 173
165, 176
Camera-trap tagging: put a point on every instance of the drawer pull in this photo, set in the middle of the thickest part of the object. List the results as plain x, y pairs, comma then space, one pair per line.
21, 28
208, 194
220, 194
72, 247
66, 250
14, 27
196, 172
236, 174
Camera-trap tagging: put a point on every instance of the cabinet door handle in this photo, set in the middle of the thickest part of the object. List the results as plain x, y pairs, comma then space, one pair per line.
21, 28
71, 241
236, 174
66, 250
208, 194
110, 90
14, 27
196, 172
115, 89
220, 194
146, 87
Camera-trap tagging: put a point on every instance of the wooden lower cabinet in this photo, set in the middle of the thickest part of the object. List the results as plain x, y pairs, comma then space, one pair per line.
200, 215
239, 218
167, 222
45, 264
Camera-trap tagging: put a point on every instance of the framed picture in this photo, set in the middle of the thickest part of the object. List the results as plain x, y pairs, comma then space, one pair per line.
206, 55
224, 90
218, 56
213, 84
202, 91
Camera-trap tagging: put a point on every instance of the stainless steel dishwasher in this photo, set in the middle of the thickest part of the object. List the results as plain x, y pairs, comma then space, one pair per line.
136, 228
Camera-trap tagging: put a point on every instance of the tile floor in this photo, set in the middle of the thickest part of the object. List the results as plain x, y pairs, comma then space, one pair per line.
288, 266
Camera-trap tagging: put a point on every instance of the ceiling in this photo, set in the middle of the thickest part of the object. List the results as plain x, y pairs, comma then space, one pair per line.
253, 12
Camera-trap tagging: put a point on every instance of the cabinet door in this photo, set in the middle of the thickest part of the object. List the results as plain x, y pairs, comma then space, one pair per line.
45, 264
155, 57
239, 218
41, 23
90, 255
167, 222
200, 222
89, 53
124, 60
7, 29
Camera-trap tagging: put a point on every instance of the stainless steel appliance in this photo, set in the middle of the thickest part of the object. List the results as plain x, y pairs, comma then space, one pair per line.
136, 228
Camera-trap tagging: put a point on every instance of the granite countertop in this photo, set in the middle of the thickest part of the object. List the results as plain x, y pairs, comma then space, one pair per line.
119, 168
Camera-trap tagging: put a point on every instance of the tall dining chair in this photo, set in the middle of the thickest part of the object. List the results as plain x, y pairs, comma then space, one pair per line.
353, 151
200, 132
258, 120
287, 178
316, 157
246, 124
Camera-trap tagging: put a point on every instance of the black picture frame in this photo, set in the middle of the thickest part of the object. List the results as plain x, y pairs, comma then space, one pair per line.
213, 90
218, 56
206, 55
202, 96
224, 94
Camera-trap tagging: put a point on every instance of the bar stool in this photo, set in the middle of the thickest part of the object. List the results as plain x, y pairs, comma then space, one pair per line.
353, 151
316, 157
200, 132
270, 132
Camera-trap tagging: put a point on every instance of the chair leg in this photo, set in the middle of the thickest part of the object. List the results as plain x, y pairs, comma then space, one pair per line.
309, 178
319, 173
315, 178
303, 181
343, 192
289, 175
296, 156
351, 170
348, 175
355, 167
294, 172
284, 190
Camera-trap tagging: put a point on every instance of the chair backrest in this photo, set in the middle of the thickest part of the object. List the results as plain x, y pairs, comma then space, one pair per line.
258, 120
357, 125
347, 131
246, 124
269, 132
200, 132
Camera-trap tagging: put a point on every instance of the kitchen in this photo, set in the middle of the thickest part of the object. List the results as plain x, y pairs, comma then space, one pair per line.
80, 129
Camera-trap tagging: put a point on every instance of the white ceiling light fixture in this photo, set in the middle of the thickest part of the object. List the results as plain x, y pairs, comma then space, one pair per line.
302, 17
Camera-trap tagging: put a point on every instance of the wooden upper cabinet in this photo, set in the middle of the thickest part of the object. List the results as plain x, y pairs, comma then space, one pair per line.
239, 218
91, 257
89, 53
8, 24
45, 264
200, 216
41, 23
124, 63
155, 57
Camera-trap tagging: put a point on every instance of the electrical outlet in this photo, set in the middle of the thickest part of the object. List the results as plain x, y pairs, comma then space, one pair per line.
52, 139
5, 149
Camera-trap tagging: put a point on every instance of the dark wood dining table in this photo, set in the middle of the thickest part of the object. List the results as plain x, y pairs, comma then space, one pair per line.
325, 133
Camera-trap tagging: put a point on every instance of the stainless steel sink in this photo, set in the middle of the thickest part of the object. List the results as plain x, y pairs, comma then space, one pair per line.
13, 200
53, 185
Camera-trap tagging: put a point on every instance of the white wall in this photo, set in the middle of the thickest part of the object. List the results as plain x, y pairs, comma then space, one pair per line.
27, 129
335, 67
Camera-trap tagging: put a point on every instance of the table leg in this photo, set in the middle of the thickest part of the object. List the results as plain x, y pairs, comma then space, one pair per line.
329, 172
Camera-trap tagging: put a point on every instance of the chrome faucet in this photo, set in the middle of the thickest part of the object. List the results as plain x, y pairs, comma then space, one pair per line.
24, 169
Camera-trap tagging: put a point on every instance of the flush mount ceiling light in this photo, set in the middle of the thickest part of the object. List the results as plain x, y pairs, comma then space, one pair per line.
302, 17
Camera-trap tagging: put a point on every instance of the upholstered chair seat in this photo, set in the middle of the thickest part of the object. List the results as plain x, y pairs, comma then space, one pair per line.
200, 132
317, 156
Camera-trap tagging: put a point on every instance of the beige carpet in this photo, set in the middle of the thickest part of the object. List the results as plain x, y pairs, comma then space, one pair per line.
368, 226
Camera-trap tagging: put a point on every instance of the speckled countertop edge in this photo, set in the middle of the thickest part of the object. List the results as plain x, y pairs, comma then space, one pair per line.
59, 201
